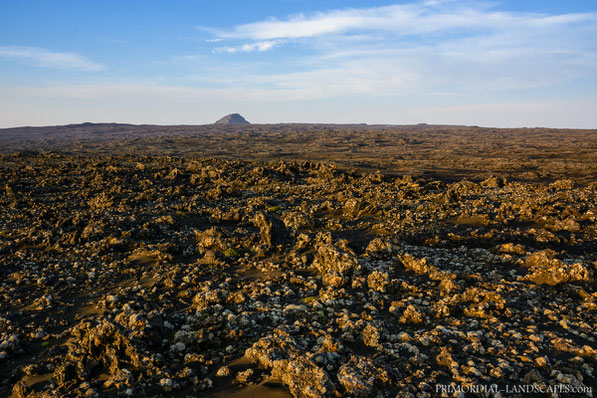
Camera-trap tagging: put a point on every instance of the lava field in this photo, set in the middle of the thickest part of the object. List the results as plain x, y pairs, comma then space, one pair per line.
150, 275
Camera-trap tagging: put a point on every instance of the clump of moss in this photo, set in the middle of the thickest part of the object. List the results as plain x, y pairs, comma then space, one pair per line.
308, 300
231, 253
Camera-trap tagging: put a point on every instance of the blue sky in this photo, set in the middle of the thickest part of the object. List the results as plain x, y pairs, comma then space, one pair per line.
488, 63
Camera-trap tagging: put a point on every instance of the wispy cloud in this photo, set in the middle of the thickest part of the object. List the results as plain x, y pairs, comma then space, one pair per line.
260, 46
434, 47
189, 58
49, 59
404, 19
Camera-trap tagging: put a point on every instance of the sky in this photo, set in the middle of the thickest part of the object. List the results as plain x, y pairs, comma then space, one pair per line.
488, 63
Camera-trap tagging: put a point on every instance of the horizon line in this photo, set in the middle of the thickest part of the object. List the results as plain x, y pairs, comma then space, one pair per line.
421, 124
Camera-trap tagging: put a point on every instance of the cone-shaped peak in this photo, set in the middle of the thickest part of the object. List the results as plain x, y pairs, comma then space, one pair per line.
233, 118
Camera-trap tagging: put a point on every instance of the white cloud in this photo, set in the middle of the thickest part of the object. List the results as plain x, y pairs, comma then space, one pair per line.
45, 58
258, 46
189, 58
404, 19
432, 46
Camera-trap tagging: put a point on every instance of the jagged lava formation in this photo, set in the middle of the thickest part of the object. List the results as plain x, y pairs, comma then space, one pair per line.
169, 276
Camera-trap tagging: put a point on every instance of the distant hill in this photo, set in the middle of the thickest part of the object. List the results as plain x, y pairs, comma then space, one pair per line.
233, 118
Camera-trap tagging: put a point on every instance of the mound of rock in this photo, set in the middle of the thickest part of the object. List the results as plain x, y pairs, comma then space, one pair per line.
545, 269
335, 264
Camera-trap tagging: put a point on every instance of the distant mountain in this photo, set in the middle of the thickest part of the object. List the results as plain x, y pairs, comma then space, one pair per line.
233, 118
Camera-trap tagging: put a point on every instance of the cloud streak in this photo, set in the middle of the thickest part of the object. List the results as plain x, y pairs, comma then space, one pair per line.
260, 46
404, 19
430, 46
49, 59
